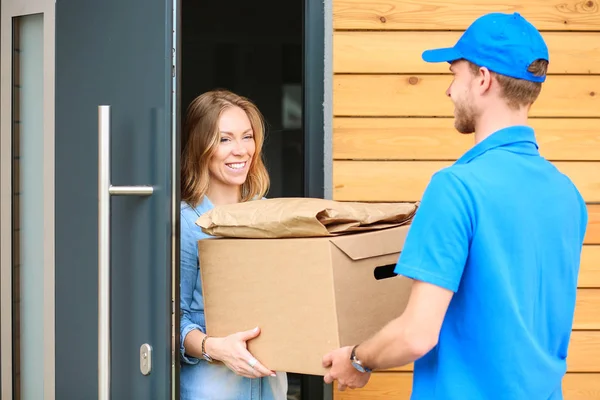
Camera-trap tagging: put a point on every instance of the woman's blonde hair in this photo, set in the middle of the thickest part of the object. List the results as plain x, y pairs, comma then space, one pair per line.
202, 129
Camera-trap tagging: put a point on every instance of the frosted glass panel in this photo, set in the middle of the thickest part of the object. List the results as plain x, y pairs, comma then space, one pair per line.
28, 192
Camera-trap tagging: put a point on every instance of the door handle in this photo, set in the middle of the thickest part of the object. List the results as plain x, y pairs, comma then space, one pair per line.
105, 191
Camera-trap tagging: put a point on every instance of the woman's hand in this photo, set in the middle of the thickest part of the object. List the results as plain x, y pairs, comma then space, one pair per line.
233, 352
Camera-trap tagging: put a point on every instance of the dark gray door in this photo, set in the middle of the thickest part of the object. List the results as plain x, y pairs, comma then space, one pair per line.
116, 53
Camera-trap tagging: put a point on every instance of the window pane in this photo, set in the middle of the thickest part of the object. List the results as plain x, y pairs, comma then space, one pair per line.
27, 239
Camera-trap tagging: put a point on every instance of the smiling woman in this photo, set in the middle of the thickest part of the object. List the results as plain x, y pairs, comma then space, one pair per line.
223, 155
232, 158
221, 164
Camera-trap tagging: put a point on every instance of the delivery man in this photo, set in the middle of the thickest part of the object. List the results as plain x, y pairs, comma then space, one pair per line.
494, 249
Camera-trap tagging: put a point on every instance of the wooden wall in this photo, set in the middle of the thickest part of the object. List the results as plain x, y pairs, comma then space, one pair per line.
392, 128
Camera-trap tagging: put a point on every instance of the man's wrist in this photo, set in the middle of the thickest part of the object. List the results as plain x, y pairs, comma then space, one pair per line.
357, 362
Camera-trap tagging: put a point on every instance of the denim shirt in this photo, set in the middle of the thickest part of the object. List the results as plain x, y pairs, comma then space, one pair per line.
200, 380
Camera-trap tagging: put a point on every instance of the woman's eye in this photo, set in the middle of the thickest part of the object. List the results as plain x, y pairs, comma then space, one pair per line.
249, 137
224, 139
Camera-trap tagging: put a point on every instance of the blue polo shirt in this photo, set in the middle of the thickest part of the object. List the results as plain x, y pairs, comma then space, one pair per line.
503, 229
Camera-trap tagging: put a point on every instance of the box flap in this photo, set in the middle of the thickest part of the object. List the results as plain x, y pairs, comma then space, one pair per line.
372, 244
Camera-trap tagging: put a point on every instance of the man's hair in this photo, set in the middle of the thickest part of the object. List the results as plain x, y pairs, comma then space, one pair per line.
519, 92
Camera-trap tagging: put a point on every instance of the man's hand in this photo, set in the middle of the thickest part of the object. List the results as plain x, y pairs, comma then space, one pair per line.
343, 371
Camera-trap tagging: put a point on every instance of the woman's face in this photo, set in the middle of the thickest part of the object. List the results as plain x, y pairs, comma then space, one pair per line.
230, 164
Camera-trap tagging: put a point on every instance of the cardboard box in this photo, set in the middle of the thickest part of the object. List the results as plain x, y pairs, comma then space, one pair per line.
308, 295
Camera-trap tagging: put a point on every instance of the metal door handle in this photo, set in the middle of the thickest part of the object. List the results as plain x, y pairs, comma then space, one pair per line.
105, 190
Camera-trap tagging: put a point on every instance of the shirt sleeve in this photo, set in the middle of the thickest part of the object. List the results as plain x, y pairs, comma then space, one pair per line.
188, 277
438, 240
584, 217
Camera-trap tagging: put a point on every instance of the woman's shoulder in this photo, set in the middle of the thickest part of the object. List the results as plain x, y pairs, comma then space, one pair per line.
189, 210
189, 215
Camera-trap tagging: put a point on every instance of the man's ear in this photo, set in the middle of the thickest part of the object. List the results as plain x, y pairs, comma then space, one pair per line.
484, 80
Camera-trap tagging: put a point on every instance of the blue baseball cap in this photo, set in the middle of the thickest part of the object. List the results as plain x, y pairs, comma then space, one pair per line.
503, 43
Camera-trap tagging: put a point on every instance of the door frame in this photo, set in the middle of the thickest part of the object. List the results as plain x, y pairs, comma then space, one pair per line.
314, 95
176, 196
313, 77
9, 10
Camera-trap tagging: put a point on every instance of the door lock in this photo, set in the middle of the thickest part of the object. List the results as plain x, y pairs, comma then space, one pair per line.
145, 359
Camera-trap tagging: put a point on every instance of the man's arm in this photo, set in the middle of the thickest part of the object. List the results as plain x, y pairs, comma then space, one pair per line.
413, 334
402, 341
434, 257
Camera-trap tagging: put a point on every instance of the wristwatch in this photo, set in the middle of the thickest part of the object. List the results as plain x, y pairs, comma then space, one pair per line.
204, 353
356, 362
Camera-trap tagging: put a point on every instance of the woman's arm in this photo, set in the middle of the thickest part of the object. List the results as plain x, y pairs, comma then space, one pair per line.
188, 278
231, 350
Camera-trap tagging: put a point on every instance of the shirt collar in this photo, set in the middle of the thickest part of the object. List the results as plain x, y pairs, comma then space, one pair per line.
520, 139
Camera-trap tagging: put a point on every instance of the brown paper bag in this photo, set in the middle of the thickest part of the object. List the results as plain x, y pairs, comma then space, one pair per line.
302, 217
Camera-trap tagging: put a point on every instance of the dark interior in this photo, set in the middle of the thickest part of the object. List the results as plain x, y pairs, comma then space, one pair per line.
255, 50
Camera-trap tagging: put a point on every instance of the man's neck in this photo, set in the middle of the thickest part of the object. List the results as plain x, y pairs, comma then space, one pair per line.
497, 119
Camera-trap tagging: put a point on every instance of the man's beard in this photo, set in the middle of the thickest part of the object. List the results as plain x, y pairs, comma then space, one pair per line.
464, 120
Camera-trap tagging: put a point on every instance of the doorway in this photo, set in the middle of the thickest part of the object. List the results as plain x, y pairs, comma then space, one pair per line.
253, 49
267, 51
